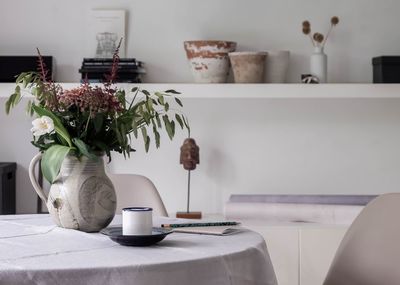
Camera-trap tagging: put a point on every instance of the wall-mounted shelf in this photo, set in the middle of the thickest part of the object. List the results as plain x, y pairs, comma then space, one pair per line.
260, 91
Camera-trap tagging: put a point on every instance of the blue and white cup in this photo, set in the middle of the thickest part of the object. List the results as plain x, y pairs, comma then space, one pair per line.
137, 221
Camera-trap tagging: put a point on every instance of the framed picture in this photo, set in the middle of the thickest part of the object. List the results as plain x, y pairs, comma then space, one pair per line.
106, 28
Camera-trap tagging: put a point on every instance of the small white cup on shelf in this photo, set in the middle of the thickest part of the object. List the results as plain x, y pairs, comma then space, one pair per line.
137, 221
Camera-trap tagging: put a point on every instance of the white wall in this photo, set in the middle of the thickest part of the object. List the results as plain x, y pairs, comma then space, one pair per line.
253, 146
157, 28
258, 145
279, 146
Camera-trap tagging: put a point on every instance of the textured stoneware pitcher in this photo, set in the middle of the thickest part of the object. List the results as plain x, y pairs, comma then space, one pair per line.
82, 197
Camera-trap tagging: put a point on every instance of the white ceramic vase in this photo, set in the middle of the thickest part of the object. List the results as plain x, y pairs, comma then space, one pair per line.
319, 64
248, 67
82, 197
209, 60
277, 66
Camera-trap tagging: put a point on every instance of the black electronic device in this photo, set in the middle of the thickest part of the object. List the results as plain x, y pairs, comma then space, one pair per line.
96, 70
386, 69
12, 66
7, 187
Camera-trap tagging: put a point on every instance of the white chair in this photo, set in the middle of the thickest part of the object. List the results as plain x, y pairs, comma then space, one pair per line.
137, 190
369, 253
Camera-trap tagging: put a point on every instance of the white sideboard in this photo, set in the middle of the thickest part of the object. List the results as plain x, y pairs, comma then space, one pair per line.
301, 253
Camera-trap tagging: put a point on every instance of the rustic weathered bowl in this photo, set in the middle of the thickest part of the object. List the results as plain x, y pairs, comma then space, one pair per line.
209, 60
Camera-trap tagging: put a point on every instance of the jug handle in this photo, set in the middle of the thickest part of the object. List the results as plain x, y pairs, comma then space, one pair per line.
33, 179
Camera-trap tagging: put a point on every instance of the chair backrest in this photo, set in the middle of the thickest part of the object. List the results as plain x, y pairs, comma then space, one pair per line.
369, 253
137, 190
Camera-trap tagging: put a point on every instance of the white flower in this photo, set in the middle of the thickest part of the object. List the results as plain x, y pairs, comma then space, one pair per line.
42, 125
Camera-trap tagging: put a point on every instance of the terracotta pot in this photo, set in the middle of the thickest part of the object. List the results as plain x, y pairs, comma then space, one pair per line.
248, 67
209, 60
82, 197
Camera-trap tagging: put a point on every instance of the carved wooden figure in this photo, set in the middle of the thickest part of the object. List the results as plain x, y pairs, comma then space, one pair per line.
189, 158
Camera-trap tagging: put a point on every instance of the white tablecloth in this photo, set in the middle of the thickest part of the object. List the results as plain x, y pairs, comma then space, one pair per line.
34, 251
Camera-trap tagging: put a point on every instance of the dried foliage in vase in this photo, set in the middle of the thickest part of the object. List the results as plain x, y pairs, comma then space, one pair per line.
318, 39
92, 120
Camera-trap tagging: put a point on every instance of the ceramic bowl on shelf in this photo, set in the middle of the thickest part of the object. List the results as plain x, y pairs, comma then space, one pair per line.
209, 61
248, 66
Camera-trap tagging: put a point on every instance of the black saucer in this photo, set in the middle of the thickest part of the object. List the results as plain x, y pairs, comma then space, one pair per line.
115, 234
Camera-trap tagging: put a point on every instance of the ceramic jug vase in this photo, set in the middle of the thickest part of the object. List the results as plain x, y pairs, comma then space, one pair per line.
82, 197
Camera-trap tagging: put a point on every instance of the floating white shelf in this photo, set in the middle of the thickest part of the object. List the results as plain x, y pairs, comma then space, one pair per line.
259, 91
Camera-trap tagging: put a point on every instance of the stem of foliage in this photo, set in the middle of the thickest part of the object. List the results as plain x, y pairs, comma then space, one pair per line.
327, 35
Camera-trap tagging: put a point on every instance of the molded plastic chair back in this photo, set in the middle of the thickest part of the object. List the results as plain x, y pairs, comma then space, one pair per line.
369, 253
137, 191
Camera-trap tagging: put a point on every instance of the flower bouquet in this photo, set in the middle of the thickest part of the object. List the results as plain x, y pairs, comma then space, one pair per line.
75, 128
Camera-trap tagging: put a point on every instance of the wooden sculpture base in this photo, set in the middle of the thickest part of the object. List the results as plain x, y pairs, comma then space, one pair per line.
188, 215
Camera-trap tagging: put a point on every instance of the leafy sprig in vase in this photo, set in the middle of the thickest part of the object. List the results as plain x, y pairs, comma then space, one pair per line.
75, 128
318, 59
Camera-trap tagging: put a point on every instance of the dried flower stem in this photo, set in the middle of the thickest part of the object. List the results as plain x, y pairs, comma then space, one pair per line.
47, 83
114, 68
42, 67
312, 40
318, 40
327, 35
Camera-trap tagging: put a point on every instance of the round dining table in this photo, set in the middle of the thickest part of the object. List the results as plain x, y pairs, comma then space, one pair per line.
35, 251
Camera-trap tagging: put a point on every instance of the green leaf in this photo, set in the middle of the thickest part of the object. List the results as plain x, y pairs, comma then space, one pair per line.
156, 136
52, 160
135, 128
166, 107
14, 99
172, 91
10, 103
20, 77
145, 92
27, 79
83, 148
168, 127
144, 133
161, 100
146, 117
186, 123
136, 91
147, 144
29, 108
58, 126
149, 104
179, 120
120, 94
173, 128
158, 121
178, 101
